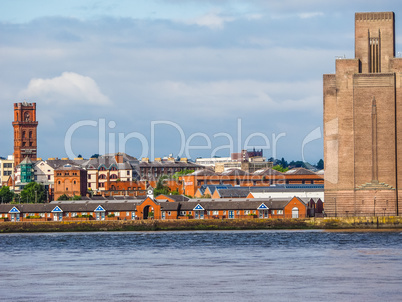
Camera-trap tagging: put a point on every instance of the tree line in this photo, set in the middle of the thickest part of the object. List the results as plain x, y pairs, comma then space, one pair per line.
282, 165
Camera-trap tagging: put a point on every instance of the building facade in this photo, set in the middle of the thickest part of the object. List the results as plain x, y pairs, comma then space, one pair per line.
363, 125
6, 169
70, 180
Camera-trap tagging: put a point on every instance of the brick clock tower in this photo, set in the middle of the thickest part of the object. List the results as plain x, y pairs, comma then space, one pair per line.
25, 124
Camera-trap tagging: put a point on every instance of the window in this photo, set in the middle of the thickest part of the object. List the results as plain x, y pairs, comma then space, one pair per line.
189, 212
65, 214
48, 177
224, 212
246, 212
128, 173
183, 213
215, 212
73, 214
102, 176
127, 213
113, 176
48, 214
169, 213
59, 182
238, 212
84, 213
30, 134
279, 212
116, 213
272, 212
113, 168
42, 214
89, 185
102, 169
89, 176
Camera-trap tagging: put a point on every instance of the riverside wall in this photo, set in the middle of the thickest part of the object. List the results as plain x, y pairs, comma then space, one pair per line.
343, 223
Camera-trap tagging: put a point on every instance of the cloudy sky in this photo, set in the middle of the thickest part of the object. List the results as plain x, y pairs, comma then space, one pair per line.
165, 76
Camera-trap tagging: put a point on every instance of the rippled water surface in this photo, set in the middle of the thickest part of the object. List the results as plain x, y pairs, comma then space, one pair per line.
202, 266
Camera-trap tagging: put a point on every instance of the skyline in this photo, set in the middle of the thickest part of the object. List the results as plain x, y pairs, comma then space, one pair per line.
202, 66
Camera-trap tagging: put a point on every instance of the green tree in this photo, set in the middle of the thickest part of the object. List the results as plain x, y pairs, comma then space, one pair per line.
280, 168
181, 173
297, 164
6, 195
95, 155
33, 192
63, 197
161, 188
320, 164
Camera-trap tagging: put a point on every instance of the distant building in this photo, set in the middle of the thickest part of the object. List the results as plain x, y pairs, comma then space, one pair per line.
248, 161
70, 180
6, 169
151, 171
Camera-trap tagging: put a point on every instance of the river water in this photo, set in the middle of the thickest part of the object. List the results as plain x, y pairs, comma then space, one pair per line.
202, 266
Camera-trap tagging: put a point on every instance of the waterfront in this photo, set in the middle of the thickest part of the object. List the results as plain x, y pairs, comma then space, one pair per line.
202, 266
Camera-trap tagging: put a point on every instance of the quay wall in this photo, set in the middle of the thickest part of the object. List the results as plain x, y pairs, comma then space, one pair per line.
343, 223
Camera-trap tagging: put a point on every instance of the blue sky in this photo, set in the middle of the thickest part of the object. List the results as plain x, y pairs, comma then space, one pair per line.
228, 73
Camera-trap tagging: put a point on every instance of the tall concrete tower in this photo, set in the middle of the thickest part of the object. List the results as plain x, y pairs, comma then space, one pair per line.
25, 124
363, 124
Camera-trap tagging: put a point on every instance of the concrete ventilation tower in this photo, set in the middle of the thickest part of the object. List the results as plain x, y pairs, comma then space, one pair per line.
363, 124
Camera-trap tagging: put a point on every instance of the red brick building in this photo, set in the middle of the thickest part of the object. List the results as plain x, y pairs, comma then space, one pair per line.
70, 180
25, 139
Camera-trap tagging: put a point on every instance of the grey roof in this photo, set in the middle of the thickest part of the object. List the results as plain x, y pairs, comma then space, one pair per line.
170, 164
212, 188
176, 197
268, 171
234, 172
233, 192
300, 171
204, 172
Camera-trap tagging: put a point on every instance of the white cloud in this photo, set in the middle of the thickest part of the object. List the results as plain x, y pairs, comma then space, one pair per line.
308, 15
242, 96
69, 88
211, 20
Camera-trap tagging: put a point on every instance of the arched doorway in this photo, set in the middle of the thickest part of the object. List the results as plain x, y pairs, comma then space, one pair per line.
148, 212
295, 212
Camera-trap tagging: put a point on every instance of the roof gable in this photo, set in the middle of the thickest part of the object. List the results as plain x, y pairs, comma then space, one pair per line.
198, 207
57, 209
99, 209
14, 210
